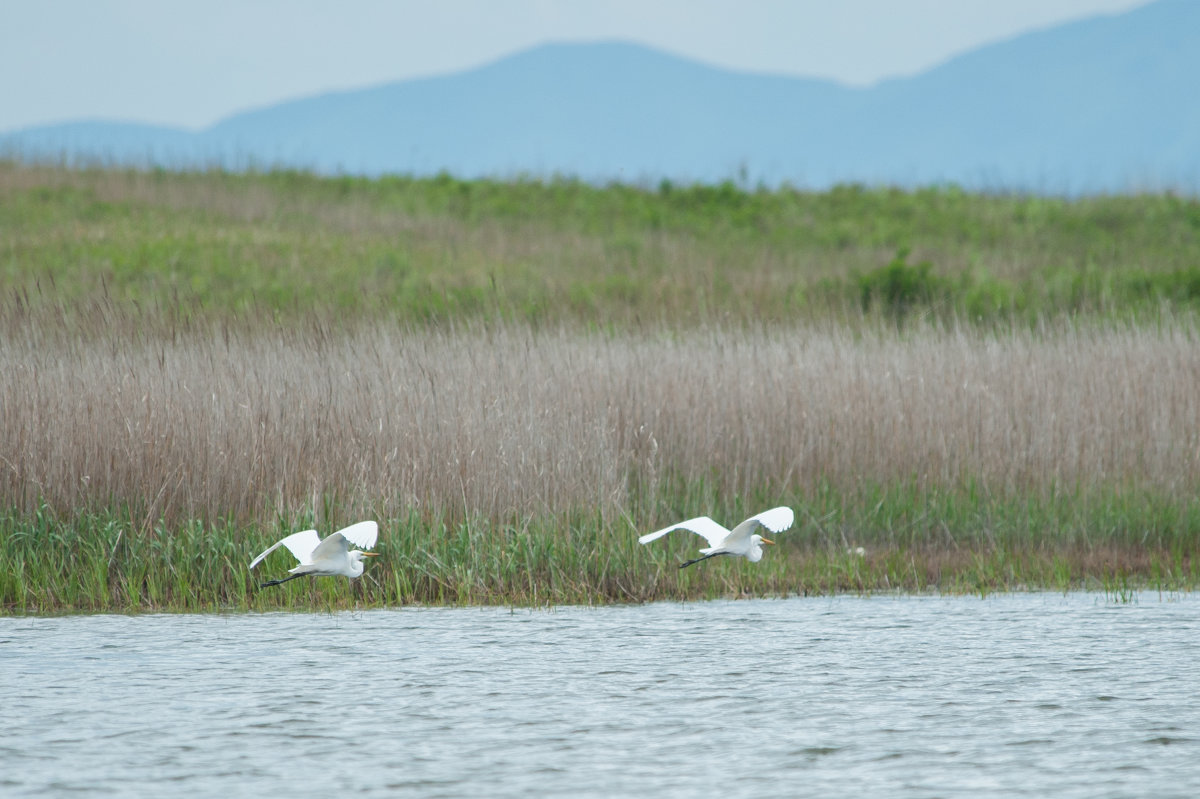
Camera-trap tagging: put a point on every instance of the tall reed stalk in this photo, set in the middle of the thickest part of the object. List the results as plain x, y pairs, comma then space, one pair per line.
265, 423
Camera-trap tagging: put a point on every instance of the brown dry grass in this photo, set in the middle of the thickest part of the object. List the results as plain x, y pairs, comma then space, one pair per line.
504, 422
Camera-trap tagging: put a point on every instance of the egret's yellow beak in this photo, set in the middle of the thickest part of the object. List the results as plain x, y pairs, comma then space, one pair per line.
768, 541
370, 554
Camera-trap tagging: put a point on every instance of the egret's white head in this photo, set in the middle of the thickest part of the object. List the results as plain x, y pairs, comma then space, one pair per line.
356, 560
756, 551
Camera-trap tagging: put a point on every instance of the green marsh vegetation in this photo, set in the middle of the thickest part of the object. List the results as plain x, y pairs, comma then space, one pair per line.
442, 250
515, 379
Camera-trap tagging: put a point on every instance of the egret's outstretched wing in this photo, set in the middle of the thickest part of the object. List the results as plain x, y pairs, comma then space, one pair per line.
776, 520
335, 545
712, 532
363, 535
301, 544
338, 544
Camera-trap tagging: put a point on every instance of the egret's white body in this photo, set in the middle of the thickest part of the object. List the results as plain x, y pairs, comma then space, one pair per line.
329, 558
742, 541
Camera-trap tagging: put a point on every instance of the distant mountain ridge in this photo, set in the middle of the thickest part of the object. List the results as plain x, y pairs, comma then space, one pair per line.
1100, 105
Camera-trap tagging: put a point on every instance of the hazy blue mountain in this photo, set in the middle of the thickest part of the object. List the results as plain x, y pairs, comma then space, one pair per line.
1105, 104
100, 140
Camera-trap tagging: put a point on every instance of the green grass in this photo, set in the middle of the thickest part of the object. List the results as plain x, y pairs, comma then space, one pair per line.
914, 541
289, 245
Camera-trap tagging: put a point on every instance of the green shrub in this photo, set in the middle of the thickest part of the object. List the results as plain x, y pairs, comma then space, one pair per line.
900, 287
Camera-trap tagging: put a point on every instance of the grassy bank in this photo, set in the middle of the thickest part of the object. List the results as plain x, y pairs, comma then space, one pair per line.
984, 392
913, 542
288, 246
514, 465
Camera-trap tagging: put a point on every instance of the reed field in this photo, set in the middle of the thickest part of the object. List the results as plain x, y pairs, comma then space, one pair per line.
983, 392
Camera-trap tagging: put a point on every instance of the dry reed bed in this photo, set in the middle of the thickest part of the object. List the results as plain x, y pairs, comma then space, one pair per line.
506, 423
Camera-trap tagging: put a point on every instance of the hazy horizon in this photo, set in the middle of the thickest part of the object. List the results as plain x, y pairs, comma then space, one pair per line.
191, 64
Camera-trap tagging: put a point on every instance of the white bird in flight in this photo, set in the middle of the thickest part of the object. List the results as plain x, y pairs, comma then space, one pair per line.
332, 557
742, 540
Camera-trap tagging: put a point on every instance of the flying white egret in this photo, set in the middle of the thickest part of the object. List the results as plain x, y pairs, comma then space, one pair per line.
332, 557
742, 540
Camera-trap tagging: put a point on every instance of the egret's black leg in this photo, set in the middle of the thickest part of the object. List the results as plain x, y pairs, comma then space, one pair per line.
687, 563
284, 580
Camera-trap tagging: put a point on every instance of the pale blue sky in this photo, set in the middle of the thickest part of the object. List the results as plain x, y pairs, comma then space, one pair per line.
188, 63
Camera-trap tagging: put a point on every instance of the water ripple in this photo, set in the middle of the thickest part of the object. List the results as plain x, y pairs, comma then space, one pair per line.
1025, 695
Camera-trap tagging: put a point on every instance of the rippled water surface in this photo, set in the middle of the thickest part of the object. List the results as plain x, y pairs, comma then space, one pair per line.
1036, 695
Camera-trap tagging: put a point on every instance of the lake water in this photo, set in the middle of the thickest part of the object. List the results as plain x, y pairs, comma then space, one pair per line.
1028, 694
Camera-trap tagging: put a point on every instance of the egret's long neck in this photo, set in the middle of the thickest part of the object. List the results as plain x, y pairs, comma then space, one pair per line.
356, 564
